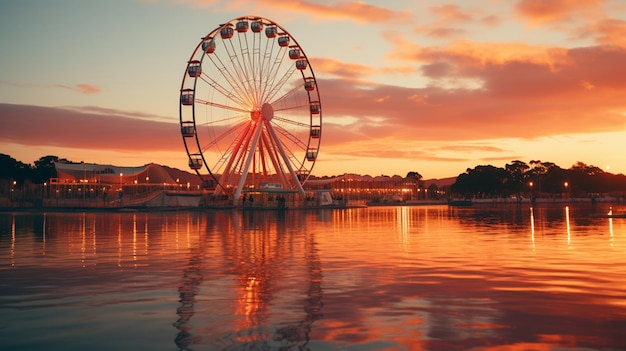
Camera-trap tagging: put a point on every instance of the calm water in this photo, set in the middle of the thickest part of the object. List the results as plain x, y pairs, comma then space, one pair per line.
380, 278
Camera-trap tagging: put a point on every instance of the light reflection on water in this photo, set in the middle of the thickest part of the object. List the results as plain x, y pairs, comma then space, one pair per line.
392, 278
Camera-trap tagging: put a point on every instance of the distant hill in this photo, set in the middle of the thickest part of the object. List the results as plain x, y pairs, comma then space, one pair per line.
440, 183
182, 176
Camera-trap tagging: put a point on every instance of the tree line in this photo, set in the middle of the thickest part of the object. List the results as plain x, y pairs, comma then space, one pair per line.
517, 177
19, 172
538, 178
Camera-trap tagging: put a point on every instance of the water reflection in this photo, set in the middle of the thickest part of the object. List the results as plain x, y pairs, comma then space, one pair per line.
268, 273
432, 278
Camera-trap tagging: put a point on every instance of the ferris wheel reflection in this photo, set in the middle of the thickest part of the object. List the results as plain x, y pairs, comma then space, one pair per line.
272, 280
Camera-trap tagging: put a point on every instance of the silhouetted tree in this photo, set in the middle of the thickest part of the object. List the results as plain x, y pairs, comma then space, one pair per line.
44, 169
11, 169
482, 181
517, 170
416, 181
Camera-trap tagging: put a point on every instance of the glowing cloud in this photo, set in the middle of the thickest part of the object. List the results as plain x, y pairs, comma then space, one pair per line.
541, 11
80, 88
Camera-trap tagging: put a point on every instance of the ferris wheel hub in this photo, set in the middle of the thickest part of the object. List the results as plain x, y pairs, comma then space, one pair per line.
267, 111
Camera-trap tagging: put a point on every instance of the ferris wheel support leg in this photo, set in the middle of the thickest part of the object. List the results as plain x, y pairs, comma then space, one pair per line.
246, 166
285, 159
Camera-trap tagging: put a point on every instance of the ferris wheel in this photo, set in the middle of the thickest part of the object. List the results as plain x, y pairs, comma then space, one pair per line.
250, 110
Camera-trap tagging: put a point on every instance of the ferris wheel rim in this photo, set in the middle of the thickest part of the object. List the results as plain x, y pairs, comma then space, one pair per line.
277, 127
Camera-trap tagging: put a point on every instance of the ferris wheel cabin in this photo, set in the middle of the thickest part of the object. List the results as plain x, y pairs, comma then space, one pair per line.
208, 46
316, 132
194, 69
256, 26
301, 64
309, 84
271, 31
315, 107
186, 97
195, 161
311, 154
283, 40
187, 129
294, 53
242, 26
227, 32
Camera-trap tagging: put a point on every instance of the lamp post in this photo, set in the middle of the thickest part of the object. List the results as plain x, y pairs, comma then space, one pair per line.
120, 193
566, 184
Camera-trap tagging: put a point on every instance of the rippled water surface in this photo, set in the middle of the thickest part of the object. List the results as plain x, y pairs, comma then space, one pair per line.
379, 278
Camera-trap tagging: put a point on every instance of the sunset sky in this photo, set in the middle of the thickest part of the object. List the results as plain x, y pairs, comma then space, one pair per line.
429, 86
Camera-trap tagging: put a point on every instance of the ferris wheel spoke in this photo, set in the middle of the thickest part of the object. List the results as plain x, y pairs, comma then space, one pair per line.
218, 122
225, 107
289, 136
236, 87
258, 64
266, 67
219, 138
247, 68
240, 69
288, 94
279, 85
272, 73
292, 122
232, 155
290, 153
288, 108
228, 94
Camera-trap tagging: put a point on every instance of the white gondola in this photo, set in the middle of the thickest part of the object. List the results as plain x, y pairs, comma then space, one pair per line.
208, 46
186, 97
187, 129
194, 69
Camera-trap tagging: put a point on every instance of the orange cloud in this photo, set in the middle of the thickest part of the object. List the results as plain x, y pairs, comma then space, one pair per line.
451, 20
609, 32
518, 98
541, 11
80, 88
85, 130
476, 53
351, 10
354, 70
451, 12
87, 89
